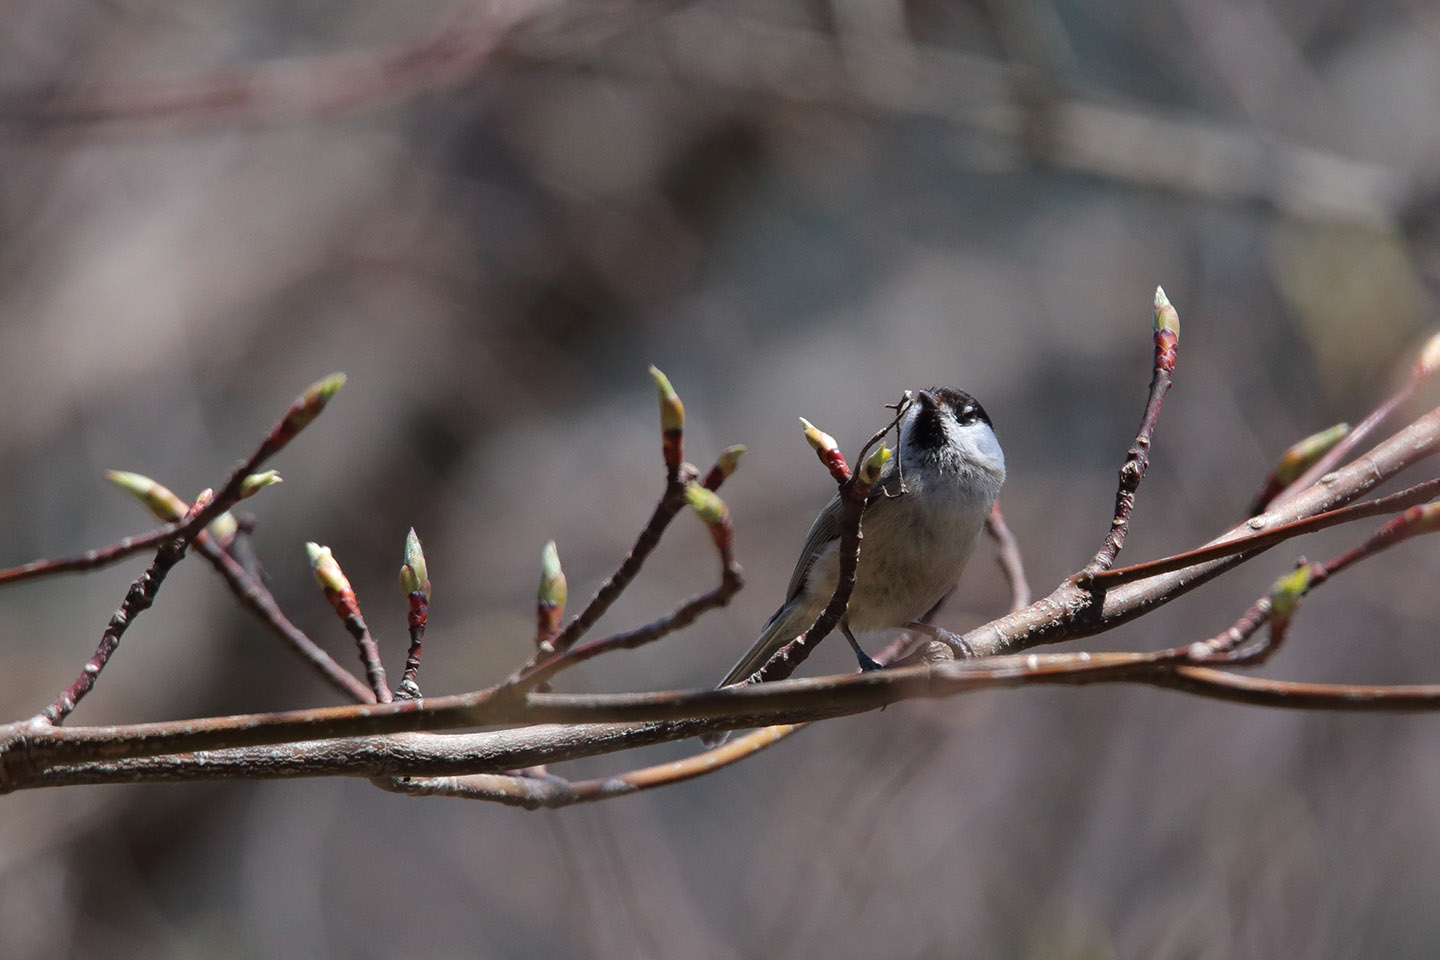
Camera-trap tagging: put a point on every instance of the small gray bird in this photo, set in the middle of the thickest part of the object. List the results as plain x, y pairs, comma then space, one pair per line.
921, 524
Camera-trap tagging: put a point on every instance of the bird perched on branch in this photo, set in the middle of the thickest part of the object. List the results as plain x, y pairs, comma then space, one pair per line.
921, 523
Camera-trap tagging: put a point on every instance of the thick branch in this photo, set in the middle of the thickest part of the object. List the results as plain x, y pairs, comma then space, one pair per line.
639, 719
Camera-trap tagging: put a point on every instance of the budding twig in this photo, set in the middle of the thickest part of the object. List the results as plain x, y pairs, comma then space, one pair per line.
300, 414
1425, 365
725, 465
716, 516
672, 501
1262, 538
415, 585
342, 598
1298, 458
245, 585
1167, 343
137, 599
550, 598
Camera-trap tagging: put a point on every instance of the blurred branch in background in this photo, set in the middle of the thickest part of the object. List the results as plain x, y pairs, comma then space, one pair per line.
1020, 107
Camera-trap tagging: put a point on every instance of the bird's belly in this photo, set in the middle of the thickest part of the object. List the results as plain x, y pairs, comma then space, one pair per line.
905, 569
902, 588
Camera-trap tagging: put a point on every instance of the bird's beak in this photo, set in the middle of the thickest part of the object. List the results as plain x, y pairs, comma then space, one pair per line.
928, 399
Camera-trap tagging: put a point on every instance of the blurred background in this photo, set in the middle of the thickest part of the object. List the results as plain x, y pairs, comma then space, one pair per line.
493, 217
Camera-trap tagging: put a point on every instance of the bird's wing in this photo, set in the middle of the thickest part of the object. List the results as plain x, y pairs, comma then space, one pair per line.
827, 528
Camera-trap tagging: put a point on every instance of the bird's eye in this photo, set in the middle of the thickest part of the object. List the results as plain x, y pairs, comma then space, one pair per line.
966, 414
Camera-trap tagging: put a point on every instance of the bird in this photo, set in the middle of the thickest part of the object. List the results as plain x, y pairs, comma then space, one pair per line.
922, 520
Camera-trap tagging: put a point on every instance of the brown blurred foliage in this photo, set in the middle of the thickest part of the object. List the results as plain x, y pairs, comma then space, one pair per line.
793, 207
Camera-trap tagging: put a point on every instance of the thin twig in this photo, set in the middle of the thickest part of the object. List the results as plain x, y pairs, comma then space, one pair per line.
1420, 371
300, 414
342, 599
255, 597
137, 600
551, 792
671, 503
327, 85
1167, 342
369, 652
1254, 541
716, 516
90, 559
416, 619
1007, 555
242, 547
731, 581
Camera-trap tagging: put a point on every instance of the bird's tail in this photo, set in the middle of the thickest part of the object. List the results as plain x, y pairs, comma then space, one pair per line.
787, 623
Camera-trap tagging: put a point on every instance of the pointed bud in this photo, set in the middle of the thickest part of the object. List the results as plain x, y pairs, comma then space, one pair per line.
256, 482
158, 499
874, 464
308, 405
553, 590
327, 572
821, 441
1167, 320
1285, 595
730, 459
1302, 455
672, 411
413, 575
725, 465
203, 500
828, 451
707, 504
415, 556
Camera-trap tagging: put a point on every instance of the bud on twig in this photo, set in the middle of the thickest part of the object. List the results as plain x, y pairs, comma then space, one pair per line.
342, 598
725, 465
1167, 331
413, 574
166, 506
157, 498
874, 464
202, 500
827, 449
672, 420
1295, 461
327, 571
415, 584
1299, 457
553, 590
1284, 598
310, 403
1285, 594
256, 482
715, 514
549, 603
706, 504
1424, 518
